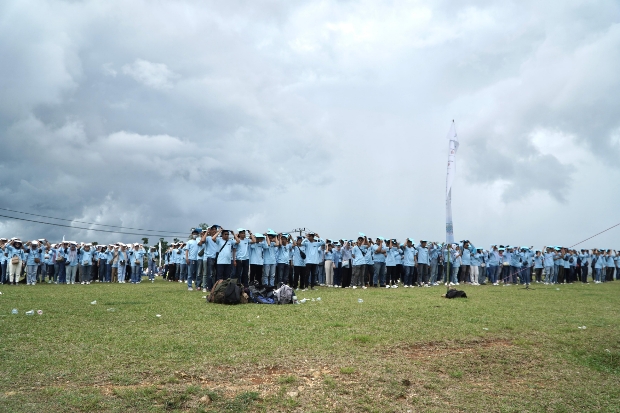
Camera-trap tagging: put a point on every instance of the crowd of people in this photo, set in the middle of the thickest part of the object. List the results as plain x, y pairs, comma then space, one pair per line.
302, 262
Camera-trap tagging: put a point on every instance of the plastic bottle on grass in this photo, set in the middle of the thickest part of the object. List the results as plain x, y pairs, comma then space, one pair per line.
31, 312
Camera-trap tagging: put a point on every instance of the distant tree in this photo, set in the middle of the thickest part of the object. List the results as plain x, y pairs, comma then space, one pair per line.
203, 226
175, 240
145, 241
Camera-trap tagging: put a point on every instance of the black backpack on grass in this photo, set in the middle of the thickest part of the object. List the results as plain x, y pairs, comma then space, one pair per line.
232, 295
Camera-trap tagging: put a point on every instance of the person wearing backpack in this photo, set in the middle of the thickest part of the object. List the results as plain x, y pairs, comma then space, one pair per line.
313, 257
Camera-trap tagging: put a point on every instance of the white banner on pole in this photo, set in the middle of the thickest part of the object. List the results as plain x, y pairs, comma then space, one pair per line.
453, 147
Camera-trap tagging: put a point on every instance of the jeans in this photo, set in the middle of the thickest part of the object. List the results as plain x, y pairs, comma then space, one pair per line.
242, 271
152, 269
183, 271
103, 269
191, 272
198, 277
60, 275
121, 273
3, 278
208, 271
108, 273
269, 274
71, 272
42, 270
136, 273
85, 273
433, 279
320, 271
584, 274
31, 274
409, 275
422, 273
379, 276
482, 274
282, 273
224, 271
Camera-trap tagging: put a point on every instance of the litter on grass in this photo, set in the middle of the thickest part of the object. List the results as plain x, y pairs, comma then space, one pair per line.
14, 311
93, 302
111, 310
318, 298
484, 328
40, 312
157, 315
31, 312
582, 327
359, 300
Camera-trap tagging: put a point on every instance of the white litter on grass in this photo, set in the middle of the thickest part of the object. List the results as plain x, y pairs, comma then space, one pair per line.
204, 296
558, 289
31, 312
40, 312
14, 311
582, 327
303, 300
111, 310
157, 315
257, 316
359, 300
313, 299
0, 292
93, 302
318, 298
484, 328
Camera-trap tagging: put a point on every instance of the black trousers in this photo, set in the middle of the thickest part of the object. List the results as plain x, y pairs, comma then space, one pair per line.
256, 273
346, 275
584, 274
368, 275
311, 273
172, 272
390, 275
538, 274
241, 271
299, 273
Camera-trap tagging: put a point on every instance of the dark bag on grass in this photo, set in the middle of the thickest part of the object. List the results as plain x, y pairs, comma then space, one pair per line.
284, 295
218, 292
456, 294
232, 295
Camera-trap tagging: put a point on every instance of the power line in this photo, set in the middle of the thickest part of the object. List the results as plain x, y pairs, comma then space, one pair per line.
87, 223
595, 235
91, 229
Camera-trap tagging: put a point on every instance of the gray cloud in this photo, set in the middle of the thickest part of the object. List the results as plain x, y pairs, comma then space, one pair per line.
318, 114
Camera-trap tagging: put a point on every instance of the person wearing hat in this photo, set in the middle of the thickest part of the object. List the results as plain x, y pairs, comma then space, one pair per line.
59, 263
611, 265
493, 265
15, 258
33, 252
347, 263
3, 260
435, 252
422, 262
136, 258
42, 266
584, 256
378, 251
337, 251
283, 259
300, 278
101, 259
226, 254
312, 244
269, 258
71, 262
49, 262
152, 257
86, 262
474, 266
181, 266
257, 248
409, 253
359, 261
242, 257
369, 272
191, 258
123, 259
208, 259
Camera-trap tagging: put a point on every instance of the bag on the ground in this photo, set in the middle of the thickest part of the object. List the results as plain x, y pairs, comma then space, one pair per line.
456, 294
232, 295
284, 295
218, 291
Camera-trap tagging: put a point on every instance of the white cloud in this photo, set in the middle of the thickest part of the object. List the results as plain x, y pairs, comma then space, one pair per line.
155, 75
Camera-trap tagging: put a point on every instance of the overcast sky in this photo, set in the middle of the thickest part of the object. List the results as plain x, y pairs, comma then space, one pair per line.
330, 115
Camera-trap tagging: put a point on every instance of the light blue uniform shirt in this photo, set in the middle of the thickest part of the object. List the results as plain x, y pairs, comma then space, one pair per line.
138, 255
284, 254
329, 255
270, 254
358, 255
31, 254
379, 257
475, 259
225, 255
390, 260
515, 259
152, 255
256, 253
242, 250
297, 260
192, 250
409, 258
86, 257
312, 250
548, 259
422, 254
599, 261
12, 252
538, 261
466, 257
493, 258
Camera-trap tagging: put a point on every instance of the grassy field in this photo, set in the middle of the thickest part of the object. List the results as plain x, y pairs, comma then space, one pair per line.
504, 349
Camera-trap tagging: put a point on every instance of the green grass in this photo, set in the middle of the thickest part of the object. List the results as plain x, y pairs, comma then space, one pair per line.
502, 349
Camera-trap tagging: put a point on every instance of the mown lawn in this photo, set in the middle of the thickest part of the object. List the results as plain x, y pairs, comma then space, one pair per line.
504, 349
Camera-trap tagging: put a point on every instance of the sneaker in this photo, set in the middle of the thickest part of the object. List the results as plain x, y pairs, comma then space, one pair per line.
451, 284
426, 285
82, 282
406, 286
204, 290
189, 289
354, 287
364, 287
395, 286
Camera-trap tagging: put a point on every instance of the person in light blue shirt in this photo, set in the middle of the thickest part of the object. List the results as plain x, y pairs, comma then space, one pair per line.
34, 254
269, 258
598, 260
466, 251
434, 262
359, 261
3, 260
493, 265
611, 265
448, 253
300, 278
152, 257
337, 251
123, 259
539, 261
242, 257
474, 265
211, 249
86, 261
312, 244
226, 254
258, 245
136, 257
422, 263
583, 262
549, 264
283, 259
191, 258
409, 253
379, 255
15, 258
71, 262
